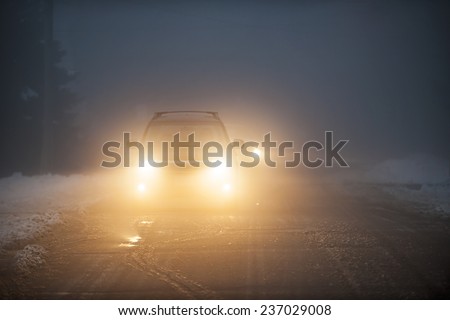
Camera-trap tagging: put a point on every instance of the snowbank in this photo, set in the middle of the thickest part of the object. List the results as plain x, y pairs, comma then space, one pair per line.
30, 205
434, 198
30, 257
421, 180
25, 226
414, 169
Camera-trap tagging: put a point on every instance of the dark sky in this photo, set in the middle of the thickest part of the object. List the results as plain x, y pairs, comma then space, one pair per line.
376, 73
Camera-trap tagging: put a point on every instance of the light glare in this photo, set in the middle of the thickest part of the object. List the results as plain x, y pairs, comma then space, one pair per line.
141, 187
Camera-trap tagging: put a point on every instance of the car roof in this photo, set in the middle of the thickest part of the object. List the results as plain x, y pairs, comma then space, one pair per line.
186, 116
179, 117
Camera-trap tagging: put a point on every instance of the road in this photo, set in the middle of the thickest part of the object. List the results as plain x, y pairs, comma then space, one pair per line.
328, 245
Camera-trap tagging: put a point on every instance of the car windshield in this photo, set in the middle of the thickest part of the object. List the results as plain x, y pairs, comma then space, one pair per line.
203, 132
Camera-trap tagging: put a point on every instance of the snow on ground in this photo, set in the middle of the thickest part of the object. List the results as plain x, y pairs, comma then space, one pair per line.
431, 197
29, 206
422, 180
25, 226
32, 256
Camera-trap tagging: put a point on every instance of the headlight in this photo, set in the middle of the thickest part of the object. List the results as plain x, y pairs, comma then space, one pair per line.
219, 178
220, 172
141, 187
256, 151
146, 170
226, 187
144, 177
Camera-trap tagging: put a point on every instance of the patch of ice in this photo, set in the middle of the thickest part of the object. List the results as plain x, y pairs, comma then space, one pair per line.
30, 257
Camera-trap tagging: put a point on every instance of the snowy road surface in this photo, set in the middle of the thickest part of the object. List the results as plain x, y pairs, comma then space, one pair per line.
327, 245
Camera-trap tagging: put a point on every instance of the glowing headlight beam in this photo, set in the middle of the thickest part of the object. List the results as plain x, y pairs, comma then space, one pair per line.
146, 169
257, 151
134, 239
141, 187
226, 187
221, 171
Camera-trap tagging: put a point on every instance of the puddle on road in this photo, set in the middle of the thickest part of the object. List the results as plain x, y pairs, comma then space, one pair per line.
146, 222
131, 242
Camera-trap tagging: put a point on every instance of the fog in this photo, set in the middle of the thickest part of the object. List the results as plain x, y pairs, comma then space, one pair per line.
365, 85
376, 74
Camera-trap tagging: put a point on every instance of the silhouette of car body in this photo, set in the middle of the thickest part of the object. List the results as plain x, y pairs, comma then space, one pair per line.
173, 180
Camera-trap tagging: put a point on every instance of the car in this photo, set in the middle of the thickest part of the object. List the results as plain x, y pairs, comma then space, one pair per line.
188, 178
